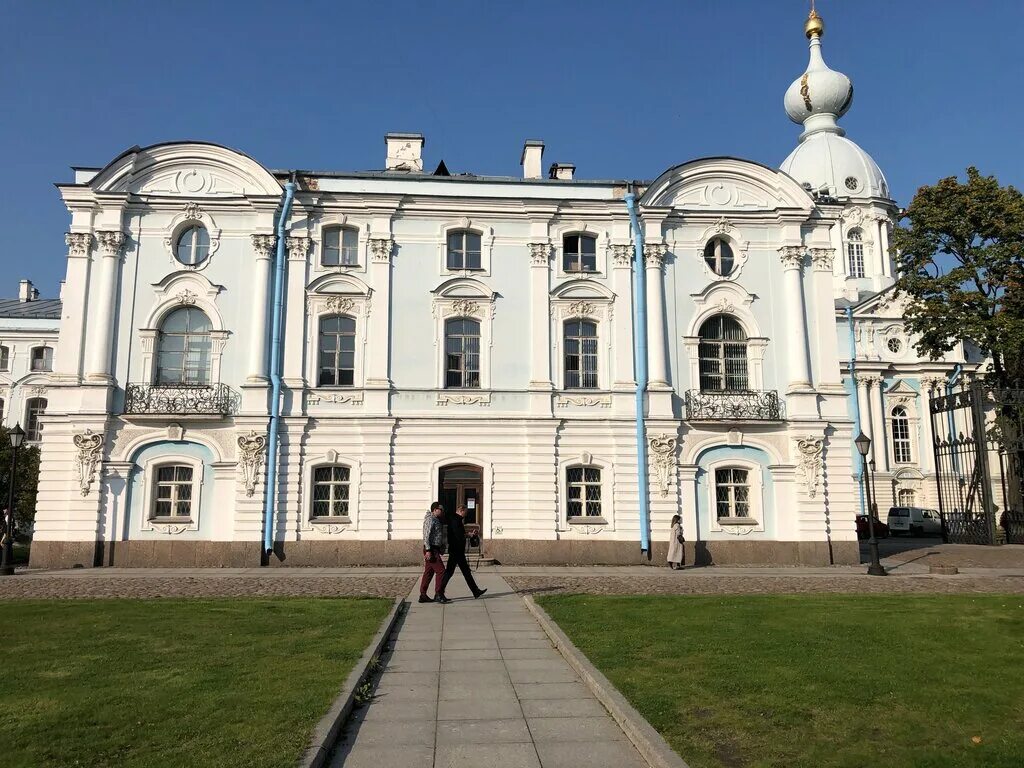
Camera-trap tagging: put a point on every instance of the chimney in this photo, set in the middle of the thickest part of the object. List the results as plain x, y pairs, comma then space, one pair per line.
405, 152
561, 171
25, 291
532, 157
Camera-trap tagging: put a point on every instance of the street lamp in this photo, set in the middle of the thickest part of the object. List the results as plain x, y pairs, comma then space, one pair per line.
17, 436
863, 443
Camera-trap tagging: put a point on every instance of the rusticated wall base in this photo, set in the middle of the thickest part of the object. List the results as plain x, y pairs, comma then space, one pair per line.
246, 554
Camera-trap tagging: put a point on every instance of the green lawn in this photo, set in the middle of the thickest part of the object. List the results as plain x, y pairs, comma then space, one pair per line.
815, 681
173, 682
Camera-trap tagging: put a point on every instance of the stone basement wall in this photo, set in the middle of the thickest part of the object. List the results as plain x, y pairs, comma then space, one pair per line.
239, 554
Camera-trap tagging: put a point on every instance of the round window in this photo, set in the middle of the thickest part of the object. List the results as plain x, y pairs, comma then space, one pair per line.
895, 345
193, 246
718, 256
852, 183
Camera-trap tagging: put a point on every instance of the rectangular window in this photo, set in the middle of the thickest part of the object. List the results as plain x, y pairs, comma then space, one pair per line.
341, 247
172, 496
336, 358
462, 354
732, 493
330, 491
34, 408
42, 359
901, 441
579, 253
855, 252
5, 359
580, 355
583, 488
464, 250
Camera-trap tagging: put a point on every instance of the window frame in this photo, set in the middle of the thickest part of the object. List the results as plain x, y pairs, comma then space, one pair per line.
719, 240
900, 495
193, 226
149, 472
354, 335
47, 359
5, 358
354, 251
901, 433
212, 368
755, 482
565, 338
326, 527
721, 358
472, 226
155, 498
463, 370
855, 254
465, 234
564, 253
571, 526
33, 429
313, 501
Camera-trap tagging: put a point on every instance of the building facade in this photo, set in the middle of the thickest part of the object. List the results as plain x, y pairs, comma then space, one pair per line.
470, 339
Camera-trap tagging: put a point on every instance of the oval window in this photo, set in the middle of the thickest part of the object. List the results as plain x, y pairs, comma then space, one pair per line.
718, 256
193, 246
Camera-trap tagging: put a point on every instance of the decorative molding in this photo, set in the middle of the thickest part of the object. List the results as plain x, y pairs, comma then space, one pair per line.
187, 297
89, 445
723, 226
654, 254
37, 391
251, 448
464, 307
193, 212
264, 245
810, 449
823, 259
853, 217
169, 528
337, 398
175, 432
380, 249
298, 247
339, 304
584, 401
445, 398
540, 254
78, 243
792, 256
622, 255
663, 453
329, 527
111, 242
579, 309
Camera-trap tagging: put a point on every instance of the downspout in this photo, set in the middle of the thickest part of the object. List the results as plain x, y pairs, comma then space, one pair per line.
277, 320
856, 404
640, 366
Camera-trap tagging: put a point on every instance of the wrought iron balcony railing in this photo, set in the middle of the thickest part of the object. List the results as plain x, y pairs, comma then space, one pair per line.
747, 405
179, 399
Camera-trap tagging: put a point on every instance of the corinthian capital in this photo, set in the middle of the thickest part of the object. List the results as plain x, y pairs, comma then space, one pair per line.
823, 258
792, 256
654, 254
622, 255
264, 245
540, 254
298, 247
111, 242
380, 249
78, 243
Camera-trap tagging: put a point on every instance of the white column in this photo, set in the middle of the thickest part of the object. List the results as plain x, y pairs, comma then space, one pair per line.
622, 343
379, 341
654, 260
862, 405
883, 245
67, 365
827, 342
540, 321
101, 309
927, 447
295, 312
263, 246
878, 437
796, 324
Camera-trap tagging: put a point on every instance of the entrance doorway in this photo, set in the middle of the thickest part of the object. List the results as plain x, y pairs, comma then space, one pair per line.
463, 485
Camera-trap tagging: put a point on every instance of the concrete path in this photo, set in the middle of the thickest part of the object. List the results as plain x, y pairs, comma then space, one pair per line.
477, 683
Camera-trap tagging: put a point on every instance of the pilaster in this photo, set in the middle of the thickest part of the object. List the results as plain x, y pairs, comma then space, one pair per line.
101, 319
68, 363
378, 379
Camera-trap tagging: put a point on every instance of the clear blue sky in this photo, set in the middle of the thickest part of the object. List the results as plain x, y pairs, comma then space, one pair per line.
621, 89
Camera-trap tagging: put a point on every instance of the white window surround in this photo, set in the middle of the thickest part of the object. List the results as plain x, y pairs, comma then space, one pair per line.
472, 299
893, 331
354, 305
900, 393
361, 226
5, 358
724, 230
858, 224
607, 518
755, 481
726, 298
330, 525
190, 217
486, 247
601, 246
582, 300
148, 471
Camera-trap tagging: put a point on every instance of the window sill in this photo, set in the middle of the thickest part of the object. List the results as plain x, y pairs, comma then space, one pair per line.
335, 520
741, 521
171, 521
587, 520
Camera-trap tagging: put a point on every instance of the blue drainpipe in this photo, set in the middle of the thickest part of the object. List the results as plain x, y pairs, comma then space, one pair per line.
275, 371
640, 364
856, 404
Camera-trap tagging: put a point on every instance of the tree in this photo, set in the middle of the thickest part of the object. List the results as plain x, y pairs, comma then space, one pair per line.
960, 261
27, 480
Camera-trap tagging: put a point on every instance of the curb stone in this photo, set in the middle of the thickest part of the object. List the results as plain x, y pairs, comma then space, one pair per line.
325, 734
648, 742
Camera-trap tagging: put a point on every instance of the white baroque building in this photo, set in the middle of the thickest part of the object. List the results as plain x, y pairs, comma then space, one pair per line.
470, 339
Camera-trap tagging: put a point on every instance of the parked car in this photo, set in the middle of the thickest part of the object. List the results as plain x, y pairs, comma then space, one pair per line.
915, 521
863, 531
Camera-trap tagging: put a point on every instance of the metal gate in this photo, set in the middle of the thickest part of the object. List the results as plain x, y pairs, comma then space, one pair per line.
979, 463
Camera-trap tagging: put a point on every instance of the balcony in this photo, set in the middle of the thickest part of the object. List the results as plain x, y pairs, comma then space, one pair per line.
733, 406
158, 400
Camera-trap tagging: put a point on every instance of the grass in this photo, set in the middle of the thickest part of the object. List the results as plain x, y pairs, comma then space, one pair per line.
815, 681
165, 683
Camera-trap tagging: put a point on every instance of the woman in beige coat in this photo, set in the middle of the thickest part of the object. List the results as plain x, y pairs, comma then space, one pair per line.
675, 544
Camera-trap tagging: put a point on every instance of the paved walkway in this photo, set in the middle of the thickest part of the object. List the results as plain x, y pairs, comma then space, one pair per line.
476, 683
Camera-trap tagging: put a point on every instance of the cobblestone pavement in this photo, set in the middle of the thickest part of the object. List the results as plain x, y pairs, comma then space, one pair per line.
933, 552
73, 587
681, 583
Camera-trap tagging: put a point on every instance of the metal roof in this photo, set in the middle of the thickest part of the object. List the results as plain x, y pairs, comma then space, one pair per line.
41, 309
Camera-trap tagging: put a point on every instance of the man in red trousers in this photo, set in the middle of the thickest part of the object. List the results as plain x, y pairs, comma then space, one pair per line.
433, 548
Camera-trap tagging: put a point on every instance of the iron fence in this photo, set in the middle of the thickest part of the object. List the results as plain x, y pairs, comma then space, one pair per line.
745, 405
179, 399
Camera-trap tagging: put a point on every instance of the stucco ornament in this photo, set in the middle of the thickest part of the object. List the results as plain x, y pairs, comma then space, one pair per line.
622, 255
654, 254
465, 307
540, 254
580, 309
78, 243
380, 249
810, 449
340, 304
89, 445
264, 245
251, 448
792, 256
187, 297
663, 455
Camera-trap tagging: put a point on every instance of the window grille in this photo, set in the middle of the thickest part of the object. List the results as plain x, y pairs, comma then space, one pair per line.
723, 355
580, 355
583, 487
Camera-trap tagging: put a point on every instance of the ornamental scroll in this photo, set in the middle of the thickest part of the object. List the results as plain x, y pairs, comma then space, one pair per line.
663, 457
89, 445
810, 450
251, 448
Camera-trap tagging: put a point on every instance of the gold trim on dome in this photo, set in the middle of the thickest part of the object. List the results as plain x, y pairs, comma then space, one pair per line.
814, 26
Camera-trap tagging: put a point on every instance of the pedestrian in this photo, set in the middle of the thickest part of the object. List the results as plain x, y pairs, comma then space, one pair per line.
675, 544
456, 525
433, 548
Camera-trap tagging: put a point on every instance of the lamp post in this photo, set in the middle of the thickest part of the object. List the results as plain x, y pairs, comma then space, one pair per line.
7, 557
863, 443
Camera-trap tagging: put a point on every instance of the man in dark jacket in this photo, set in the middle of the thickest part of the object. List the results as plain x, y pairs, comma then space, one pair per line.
457, 553
433, 548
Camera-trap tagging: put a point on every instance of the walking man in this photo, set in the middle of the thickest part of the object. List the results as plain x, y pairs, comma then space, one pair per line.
457, 553
433, 548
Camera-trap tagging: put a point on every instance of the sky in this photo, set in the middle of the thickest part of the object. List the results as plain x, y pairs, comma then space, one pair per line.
620, 89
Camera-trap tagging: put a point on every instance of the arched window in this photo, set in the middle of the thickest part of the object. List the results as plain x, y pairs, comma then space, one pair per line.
723, 355
42, 358
337, 351
462, 353
579, 253
5, 358
905, 497
583, 489
855, 252
901, 436
463, 250
172, 492
193, 246
341, 247
34, 408
580, 345
184, 347
330, 491
718, 256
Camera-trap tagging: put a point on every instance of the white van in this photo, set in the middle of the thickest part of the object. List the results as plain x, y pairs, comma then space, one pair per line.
915, 521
